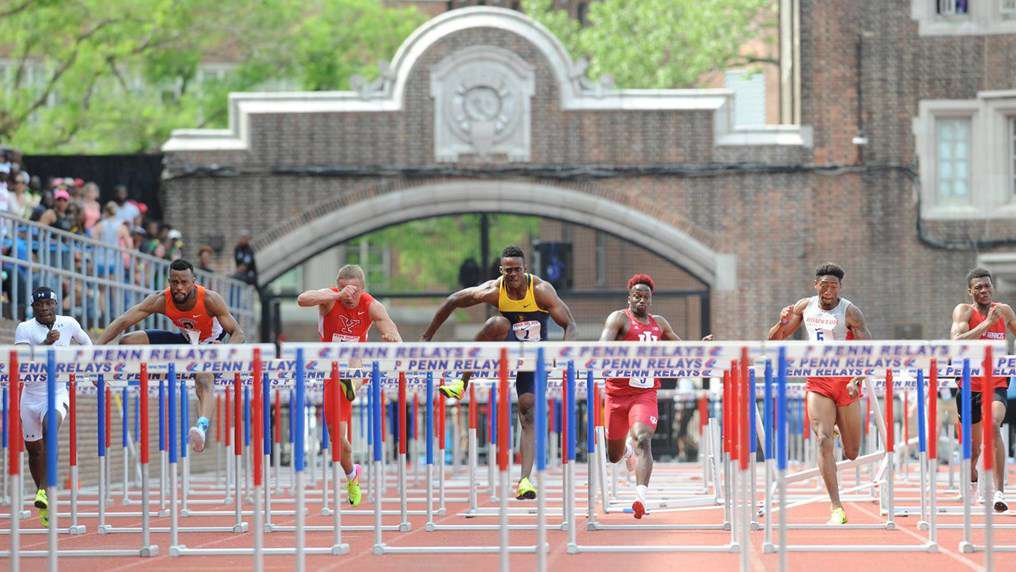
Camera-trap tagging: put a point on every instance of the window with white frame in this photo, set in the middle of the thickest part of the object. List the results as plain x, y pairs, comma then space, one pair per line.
1007, 8
966, 151
952, 159
952, 7
964, 17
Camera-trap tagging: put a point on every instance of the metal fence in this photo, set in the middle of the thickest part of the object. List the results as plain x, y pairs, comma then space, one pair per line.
95, 283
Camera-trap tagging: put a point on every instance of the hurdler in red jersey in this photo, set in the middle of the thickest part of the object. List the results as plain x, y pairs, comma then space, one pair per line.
632, 411
345, 315
985, 319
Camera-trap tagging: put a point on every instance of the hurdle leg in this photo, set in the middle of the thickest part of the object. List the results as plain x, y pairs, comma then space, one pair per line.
277, 464
441, 480
966, 545
185, 469
15, 555
325, 509
404, 525
767, 542
922, 460
491, 461
932, 502
102, 527
163, 467
591, 488
268, 492
504, 517
75, 528
337, 546
147, 548
126, 470
472, 470
174, 522
239, 525
51, 494
601, 466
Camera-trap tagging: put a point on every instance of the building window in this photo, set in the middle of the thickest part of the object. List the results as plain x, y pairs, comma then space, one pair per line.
966, 152
749, 96
601, 258
1012, 156
964, 17
952, 141
953, 7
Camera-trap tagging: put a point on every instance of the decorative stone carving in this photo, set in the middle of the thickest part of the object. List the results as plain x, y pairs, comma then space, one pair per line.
482, 104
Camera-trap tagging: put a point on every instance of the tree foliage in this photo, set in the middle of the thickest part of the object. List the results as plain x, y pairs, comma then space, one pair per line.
100, 76
660, 43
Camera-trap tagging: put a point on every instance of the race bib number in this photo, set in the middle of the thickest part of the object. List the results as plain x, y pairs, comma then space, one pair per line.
344, 338
641, 382
528, 331
193, 336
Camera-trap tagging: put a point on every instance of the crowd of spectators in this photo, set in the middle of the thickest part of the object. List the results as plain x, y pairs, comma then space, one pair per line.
72, 205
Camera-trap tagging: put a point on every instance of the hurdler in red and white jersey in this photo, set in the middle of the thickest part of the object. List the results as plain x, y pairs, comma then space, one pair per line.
636, 331
828, 325
985, 319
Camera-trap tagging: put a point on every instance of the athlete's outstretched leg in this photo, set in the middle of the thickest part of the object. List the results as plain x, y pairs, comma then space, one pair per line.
495, 329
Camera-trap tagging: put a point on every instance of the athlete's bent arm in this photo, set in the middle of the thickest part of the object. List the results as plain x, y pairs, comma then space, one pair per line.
153, 304
668, 332
486, 292
379, 314
218, 309
790, 319
323, 297
547, 298
613, 327
856, 324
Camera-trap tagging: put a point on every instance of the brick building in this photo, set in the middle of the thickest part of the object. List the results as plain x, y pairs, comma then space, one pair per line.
895, 159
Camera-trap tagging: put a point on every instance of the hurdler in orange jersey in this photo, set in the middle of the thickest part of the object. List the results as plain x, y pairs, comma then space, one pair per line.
202, 317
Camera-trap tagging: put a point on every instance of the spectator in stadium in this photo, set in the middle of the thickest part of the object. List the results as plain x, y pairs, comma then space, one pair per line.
46, 203
173, 244
129, 210
59, 216
205, 258
90, 206
243, 255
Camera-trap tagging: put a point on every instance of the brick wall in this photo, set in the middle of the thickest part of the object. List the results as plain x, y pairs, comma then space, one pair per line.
832, 202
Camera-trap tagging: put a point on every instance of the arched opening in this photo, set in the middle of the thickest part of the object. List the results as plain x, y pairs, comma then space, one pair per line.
412, 266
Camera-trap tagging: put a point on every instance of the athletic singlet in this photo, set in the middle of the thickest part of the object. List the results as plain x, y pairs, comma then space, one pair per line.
196, 323
342, 324
637, 332
528, 320
826, 325
995, 331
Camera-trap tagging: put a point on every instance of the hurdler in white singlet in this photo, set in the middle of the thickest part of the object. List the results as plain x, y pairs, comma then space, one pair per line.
825, 325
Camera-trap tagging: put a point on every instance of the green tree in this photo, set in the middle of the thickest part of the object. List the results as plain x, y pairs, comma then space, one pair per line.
660, 43
431, 250
103, 76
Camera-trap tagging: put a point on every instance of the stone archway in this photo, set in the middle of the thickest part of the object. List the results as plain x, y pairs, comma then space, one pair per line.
715, 269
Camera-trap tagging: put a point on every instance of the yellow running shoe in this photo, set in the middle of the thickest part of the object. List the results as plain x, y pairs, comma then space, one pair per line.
44, 517
348, 389
838, 517
525, 490
353, 494
453, 390
41, 501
